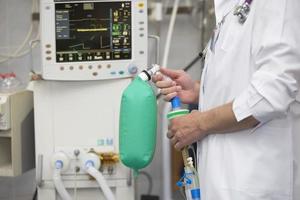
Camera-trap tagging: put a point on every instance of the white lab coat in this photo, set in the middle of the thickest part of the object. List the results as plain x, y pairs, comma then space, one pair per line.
257, 66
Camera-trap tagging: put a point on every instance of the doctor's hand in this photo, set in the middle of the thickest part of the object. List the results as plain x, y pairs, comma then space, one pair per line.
186, 130
180, 84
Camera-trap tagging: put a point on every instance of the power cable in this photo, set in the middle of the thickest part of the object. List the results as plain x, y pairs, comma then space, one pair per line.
147, 175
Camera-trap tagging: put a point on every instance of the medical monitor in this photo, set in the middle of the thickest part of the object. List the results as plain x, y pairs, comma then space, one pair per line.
93, 31
92, 40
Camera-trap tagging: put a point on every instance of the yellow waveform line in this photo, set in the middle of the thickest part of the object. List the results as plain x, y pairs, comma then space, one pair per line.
91, 29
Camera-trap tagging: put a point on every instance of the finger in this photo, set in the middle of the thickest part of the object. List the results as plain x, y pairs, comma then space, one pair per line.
165, 83
169, 90
174, 141
170, 96
172, 128
171, 73
157, 77
170, 134
178, 146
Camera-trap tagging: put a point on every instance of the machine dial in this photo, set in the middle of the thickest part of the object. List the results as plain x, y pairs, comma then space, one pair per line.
132, 69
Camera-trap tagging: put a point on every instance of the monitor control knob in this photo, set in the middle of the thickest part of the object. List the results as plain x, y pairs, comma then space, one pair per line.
132, 69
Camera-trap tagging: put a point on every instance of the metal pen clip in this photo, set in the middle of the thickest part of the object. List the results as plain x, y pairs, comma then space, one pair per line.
242, 11
203, 53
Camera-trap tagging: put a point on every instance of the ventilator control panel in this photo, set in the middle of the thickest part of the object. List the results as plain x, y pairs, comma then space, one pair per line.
93, 40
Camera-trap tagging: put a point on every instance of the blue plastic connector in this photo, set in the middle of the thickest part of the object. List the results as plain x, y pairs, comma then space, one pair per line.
196, 195
188, 181
176, 103
59, 164
89, 163
179, 184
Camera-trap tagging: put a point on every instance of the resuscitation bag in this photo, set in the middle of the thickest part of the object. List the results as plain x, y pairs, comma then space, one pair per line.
138, 122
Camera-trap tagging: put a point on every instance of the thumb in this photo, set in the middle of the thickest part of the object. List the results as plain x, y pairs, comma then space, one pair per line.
173, 74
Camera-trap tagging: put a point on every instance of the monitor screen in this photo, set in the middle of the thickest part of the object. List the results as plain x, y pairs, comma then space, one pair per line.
93, 31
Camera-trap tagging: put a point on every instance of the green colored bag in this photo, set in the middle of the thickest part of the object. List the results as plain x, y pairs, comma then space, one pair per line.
138, 122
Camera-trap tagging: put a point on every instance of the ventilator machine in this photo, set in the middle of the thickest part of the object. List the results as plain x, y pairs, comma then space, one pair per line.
90, 51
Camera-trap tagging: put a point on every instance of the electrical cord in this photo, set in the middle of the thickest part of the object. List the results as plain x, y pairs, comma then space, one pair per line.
194, 61
35, 194
147, 175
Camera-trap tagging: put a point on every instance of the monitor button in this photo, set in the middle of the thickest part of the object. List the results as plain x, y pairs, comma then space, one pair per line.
132, 69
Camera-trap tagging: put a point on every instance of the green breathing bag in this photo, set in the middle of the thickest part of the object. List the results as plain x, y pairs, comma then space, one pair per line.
138, 122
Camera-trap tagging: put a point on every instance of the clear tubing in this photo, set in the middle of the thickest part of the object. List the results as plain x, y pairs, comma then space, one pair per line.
59, 186
17, 52
166, 155
197, 182
101, 181
185, 155
167, 191
170, 33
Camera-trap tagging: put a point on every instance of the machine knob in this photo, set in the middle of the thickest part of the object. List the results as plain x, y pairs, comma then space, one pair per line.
132, 69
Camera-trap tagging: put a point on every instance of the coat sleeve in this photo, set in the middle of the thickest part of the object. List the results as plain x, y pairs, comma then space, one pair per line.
276, 54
